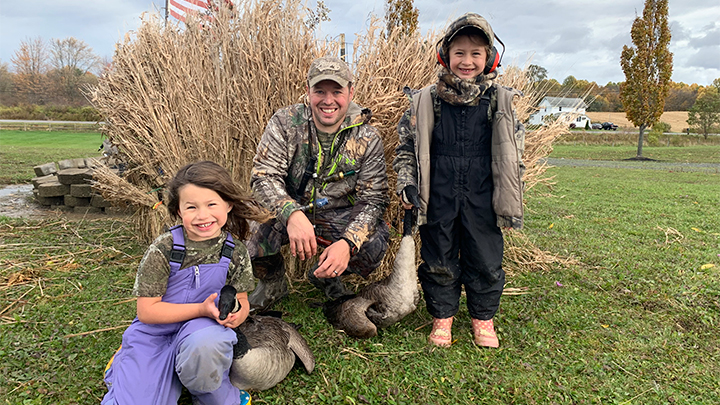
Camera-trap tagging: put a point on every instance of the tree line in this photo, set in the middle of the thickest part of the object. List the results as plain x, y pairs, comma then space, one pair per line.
49, 73
681, 96
55, 72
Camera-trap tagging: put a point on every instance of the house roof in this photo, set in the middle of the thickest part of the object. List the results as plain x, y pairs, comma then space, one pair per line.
565, 102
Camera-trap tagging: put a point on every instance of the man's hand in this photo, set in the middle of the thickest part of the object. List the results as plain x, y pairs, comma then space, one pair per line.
409, 197
333, 260
302, 236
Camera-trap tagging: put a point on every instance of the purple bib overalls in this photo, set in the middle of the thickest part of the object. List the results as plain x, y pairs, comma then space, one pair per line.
148, 369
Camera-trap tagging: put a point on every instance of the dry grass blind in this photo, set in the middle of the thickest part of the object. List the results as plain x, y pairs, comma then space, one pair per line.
206, 89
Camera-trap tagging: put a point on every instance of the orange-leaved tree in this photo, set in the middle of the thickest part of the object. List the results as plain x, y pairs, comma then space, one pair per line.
30, 65
647, 67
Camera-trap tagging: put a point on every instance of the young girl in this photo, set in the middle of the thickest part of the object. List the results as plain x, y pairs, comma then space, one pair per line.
177, 338
459, 162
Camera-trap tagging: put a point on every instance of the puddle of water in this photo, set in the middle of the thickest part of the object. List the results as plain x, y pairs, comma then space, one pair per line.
20, 188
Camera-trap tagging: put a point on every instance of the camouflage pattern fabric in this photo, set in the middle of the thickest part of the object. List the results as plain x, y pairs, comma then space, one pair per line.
154, 269
267, 239
329, 68
468, 20
283, 154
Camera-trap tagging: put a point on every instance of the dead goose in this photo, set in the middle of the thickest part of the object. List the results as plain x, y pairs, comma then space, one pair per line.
265, 353
382, 303
266, 348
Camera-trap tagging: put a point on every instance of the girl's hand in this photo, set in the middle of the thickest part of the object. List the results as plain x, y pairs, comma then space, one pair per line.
209, 309
234, 319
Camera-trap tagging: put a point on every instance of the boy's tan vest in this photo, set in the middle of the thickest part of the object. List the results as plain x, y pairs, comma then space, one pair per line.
508, 144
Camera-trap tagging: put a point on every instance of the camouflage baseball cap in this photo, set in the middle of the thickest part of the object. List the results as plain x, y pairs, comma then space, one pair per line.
329, 68
469, 21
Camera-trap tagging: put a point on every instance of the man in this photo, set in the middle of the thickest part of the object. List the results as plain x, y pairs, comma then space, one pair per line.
321, 169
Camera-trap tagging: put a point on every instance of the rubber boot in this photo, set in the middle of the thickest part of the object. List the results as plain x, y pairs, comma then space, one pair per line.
332, 287
271, 287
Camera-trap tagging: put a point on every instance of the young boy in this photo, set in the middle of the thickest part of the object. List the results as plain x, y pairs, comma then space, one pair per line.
459, 162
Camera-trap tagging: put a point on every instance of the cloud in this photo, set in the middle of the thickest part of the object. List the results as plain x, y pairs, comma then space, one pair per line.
707, 58
571, 39
678, 32
583, 38
710, 37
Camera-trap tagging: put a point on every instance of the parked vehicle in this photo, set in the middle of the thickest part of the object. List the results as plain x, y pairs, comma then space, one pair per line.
609, 126
596, 125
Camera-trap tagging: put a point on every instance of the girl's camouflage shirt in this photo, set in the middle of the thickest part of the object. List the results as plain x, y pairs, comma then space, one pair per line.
356, 152
154, 270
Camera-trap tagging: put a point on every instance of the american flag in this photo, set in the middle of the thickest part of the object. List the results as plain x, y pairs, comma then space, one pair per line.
180, 8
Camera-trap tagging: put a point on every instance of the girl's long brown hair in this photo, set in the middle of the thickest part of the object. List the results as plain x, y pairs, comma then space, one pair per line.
212, 176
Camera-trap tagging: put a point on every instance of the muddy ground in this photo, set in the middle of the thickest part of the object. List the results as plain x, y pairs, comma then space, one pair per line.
17, 201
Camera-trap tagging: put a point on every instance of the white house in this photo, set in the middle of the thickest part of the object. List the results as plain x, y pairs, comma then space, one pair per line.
561, 107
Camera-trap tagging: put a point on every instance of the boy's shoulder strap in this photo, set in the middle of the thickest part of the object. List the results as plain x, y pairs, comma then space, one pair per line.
177, 254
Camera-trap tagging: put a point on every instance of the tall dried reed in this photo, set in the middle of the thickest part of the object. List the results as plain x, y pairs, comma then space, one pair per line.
201, 91
205, 90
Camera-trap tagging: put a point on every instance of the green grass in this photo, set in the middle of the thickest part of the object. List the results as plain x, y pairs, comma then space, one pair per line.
20, 151
686, 154
635, 322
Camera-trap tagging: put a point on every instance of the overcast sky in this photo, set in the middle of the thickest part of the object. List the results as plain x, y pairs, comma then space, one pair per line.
583, 38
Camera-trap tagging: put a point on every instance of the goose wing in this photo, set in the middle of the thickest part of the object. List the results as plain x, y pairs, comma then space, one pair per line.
299, 346
349, 315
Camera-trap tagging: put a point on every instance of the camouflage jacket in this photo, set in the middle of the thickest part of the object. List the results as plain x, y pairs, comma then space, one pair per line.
412, 161
357, 152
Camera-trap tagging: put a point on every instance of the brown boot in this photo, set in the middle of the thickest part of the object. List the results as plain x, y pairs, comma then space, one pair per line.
271, 287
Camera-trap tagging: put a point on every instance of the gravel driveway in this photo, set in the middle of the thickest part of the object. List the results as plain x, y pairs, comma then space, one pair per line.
641, 165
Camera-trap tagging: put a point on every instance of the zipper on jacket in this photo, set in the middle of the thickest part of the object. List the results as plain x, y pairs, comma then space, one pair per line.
197, 277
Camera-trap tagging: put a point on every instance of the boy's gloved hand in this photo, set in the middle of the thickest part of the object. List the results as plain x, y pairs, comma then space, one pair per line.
410, 197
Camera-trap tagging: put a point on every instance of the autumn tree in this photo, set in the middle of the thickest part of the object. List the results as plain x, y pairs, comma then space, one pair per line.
30, 65
72, 60
549, 87
681, 96
401, 14
536, 73
7, 84
647, 67
705, 113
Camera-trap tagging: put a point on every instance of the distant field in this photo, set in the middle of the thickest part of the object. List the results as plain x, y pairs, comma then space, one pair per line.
20, 151
676, 119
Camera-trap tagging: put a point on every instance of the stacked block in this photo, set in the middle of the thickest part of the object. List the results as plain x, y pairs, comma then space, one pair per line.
66, 186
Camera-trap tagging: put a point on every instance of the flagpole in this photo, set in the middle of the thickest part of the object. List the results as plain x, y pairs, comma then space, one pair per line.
166, 11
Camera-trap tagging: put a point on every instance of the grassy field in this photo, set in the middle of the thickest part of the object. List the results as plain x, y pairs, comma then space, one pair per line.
676, 119
687, 154
20, 151
634, 321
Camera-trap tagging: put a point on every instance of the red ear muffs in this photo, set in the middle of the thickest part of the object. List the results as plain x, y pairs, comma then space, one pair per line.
441, 55
493, 61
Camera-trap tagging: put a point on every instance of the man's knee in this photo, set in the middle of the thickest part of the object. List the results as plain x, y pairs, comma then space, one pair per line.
203, 357
372, 252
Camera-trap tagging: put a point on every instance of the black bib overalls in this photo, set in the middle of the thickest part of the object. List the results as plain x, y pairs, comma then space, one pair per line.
461, 242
